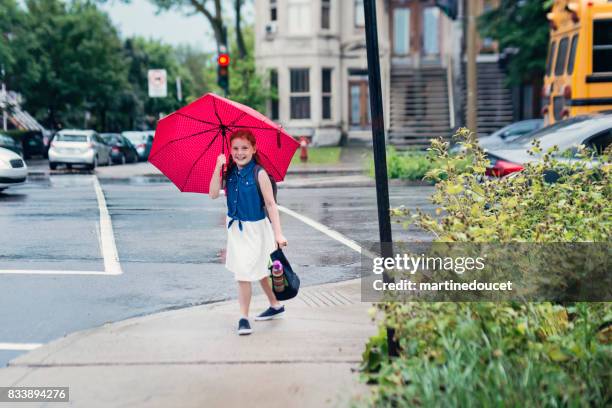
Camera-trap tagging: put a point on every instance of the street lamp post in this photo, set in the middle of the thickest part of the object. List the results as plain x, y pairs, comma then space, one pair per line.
4, 103
378, 146
472, 80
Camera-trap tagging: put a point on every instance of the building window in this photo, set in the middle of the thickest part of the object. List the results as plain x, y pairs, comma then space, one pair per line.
602, 45
359, 15
325, 14
273, 10
326, 81
274, 100
431, 21
401, 31
298, 13
300, 93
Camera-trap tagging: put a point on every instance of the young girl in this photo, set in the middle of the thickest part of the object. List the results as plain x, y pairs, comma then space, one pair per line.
251, 237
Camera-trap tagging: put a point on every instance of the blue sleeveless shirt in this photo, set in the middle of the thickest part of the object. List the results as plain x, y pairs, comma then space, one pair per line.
243, 201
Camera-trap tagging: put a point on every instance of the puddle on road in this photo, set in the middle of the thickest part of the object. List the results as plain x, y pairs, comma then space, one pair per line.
138, 180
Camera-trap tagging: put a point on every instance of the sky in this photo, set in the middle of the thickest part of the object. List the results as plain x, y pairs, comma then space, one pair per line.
172, 27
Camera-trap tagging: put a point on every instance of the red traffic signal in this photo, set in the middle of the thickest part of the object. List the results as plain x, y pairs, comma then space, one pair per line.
223, 60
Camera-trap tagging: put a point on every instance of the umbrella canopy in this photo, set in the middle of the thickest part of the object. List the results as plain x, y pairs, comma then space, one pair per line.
188, 141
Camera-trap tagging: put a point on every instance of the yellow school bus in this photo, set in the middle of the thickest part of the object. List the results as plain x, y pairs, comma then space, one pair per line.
578, 77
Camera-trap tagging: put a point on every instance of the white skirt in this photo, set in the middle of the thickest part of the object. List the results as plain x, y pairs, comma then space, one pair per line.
248, 251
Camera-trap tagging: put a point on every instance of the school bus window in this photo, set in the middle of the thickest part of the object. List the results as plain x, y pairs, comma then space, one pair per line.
561, 56
551, 52
572, 56
602, 46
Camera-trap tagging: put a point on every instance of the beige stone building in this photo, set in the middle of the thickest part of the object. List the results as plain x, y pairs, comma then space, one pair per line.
315, 55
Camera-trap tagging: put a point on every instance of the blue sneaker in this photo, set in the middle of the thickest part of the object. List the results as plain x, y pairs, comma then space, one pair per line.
244, 327
271, 313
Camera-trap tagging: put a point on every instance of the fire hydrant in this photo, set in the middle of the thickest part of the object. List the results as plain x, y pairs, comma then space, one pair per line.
304, 149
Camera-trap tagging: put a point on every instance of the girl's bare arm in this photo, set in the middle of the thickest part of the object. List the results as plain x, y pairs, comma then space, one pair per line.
268, 195
215, 181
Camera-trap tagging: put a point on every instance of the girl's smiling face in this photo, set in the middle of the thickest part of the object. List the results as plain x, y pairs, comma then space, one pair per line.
242, 151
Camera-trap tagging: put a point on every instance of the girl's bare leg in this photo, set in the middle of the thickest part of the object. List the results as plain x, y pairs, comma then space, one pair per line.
244, 297
265, 285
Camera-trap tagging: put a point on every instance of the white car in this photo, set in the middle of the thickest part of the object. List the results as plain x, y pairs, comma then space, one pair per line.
13, 170
79, 147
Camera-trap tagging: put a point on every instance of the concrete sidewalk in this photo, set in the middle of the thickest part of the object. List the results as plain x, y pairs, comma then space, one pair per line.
194, 358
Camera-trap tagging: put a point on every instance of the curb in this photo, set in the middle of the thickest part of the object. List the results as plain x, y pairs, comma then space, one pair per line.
300, 184
318, 184
348, 171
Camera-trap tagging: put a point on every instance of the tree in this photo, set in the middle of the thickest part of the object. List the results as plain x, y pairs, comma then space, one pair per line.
142, 55
198, 64
248, 86
242, 48
10, 19
520, 25
69, 62
215, 17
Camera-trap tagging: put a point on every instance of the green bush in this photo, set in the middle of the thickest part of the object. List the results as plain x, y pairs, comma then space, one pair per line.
507, 353
410, 164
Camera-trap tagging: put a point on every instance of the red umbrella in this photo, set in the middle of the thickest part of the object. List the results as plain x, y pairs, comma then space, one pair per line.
188, 141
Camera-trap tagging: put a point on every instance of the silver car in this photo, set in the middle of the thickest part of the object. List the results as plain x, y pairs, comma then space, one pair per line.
142, 141
13, 170
79, 147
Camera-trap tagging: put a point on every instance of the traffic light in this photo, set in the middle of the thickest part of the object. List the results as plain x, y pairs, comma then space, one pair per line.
223, 72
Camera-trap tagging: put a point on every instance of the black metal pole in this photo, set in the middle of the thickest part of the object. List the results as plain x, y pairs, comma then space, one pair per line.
378, 146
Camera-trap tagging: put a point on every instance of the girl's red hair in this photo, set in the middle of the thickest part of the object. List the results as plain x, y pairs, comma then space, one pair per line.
245, 134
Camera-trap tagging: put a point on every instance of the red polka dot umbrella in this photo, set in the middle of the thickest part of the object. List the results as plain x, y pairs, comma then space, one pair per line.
188, 141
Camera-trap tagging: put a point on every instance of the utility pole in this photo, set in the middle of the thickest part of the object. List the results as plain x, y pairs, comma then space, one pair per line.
380, 155
179, 89
4, 103
472, 84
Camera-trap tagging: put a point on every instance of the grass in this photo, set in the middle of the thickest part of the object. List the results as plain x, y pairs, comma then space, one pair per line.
319, 155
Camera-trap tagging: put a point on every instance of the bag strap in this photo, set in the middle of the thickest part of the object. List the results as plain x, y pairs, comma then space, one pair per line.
256, 169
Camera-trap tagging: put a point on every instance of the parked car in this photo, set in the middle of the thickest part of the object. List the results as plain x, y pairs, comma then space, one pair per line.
13, 170
142, 140
505, 135
594, 132
122, 150
509, 133
33, 144
78, 147
8, 142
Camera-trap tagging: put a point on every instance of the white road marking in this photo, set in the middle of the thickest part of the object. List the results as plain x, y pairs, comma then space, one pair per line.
327, 231
107, 237
19, 346
107, 246
51, 272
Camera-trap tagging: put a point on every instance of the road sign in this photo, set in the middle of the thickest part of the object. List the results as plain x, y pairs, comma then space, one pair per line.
158, 85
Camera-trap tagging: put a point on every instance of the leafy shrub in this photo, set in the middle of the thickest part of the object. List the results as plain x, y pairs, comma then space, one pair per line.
507, 353
410, 164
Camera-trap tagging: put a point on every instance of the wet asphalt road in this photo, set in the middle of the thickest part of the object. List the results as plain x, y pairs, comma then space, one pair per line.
170, 245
